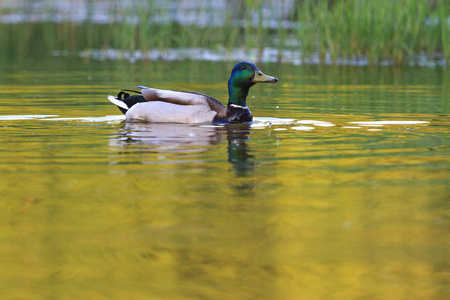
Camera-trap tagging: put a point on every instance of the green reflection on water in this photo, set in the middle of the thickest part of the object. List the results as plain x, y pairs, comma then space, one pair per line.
122, 210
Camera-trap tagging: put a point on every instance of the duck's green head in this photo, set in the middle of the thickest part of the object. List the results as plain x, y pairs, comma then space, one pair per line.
243, 76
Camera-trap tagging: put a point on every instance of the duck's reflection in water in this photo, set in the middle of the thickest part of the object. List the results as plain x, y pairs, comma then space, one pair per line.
164, 137
238, 155
181, 143
238, 149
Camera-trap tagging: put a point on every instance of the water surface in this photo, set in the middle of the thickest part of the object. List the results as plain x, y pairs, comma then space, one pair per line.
339, 190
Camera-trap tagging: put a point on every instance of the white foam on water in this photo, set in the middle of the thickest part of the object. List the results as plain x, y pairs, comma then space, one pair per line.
303, 128
316, 123
272, 121
263, 122
109, 119
308, 121
25, 117
381, 123
259, 126
324, 124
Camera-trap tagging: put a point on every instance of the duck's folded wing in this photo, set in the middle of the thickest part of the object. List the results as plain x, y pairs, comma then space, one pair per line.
182, 98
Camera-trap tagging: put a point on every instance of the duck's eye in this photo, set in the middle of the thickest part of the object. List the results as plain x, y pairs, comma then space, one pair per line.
243, 68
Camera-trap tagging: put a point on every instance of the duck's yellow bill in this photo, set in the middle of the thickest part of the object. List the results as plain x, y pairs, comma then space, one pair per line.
260, 77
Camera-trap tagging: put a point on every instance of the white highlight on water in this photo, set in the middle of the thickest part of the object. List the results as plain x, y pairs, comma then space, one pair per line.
258, 122
396, 122
25, 117
303, 128
109, 119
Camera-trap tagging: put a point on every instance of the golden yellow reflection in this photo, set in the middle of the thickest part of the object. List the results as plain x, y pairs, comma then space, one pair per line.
93, 207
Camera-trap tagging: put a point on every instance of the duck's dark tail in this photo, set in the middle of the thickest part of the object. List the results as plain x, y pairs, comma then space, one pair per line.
124, 101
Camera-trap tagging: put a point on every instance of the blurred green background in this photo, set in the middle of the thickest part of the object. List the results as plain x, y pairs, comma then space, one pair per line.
297, 31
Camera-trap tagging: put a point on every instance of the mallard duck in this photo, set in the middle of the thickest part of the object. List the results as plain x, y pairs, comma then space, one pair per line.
154, 105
